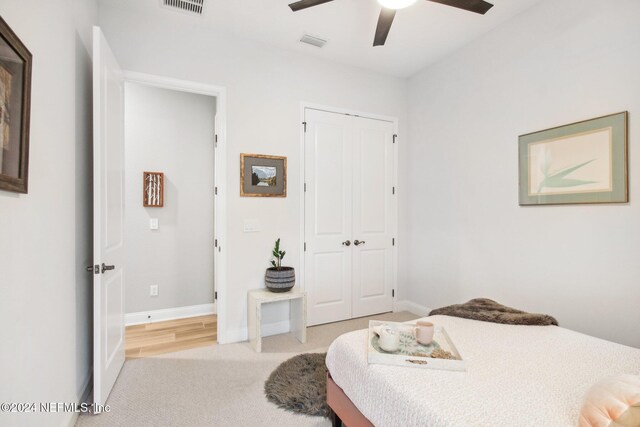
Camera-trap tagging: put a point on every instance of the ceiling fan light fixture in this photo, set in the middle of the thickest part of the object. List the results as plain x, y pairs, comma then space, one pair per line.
396, 4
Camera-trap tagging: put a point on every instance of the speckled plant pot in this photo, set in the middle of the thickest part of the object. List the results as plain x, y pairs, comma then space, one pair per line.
280, 280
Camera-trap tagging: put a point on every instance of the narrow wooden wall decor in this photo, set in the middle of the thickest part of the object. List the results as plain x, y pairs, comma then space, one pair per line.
153, 189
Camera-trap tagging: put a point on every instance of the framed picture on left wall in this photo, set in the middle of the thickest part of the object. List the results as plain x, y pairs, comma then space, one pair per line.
15, 107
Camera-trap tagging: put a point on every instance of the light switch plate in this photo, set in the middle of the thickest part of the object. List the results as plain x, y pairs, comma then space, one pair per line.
153, 224
251, 225
153, 290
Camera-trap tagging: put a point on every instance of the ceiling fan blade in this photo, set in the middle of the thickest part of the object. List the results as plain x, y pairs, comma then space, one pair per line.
384, 25
477, 6
303, 4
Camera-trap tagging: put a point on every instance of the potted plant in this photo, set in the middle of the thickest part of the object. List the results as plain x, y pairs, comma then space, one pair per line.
279, 278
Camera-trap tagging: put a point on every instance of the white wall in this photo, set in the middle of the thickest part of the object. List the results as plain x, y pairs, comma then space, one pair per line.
560, 62
265, 88
45, 236
171, 132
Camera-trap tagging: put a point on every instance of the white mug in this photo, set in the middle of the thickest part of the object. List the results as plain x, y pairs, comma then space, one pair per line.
389, 339
423, 332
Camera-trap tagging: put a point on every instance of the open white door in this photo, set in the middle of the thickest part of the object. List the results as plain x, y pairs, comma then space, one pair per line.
108, 218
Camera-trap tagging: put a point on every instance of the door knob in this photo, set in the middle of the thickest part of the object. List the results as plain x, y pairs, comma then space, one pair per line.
358, 242
107, 267
347, 243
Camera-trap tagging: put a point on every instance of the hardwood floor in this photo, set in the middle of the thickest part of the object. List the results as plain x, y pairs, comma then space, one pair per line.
150, 339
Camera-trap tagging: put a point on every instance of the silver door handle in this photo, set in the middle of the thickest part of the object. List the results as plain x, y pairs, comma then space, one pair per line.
107, 267
358, 242
347, 243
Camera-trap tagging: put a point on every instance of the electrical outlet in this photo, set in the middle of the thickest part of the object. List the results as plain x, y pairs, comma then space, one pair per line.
153, 224
153, 290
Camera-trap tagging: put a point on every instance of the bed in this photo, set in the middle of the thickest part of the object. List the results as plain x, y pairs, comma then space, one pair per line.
516, 376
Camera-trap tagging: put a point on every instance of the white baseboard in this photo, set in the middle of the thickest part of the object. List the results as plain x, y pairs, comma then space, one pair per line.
412, 307
268, 329
168, 314
87, 388
85, 395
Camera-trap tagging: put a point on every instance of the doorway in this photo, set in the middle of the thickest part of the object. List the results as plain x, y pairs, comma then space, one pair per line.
219, 138
350, 214
217, 193
168, 219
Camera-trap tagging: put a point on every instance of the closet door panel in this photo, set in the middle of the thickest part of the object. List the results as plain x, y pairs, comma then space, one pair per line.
373, 216
328, 218
372, 268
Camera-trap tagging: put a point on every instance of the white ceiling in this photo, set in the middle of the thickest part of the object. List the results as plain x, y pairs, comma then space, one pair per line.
421, 34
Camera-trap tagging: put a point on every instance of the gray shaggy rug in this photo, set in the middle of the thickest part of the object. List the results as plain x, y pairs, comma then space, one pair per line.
490, 311
300, 385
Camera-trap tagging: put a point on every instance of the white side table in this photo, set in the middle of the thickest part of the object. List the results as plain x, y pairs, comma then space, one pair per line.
298, 317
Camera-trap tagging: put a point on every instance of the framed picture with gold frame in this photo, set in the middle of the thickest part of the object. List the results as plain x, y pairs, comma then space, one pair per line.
15, 107
583, 162
263, 176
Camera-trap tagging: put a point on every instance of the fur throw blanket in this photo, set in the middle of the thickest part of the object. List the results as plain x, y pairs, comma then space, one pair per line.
487, 310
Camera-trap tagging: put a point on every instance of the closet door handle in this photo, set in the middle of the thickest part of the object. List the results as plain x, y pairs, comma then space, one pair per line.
107, 267
358, 242
346, 243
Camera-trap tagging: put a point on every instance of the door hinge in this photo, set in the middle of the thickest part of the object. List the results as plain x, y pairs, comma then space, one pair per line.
393, 190
305, 246
215, 243
215, 295
393, 241
305, 126
305, 187
216, 138
215, 191
393, 293
394, 138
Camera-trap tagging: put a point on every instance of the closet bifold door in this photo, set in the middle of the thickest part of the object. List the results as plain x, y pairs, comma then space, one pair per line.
373, 216
328, 216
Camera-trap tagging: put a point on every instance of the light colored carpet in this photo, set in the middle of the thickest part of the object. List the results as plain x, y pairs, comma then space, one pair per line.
218, 385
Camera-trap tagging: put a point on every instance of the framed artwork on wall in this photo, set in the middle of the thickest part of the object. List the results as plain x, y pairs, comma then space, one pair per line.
263, 176
583, 162
153, 189
15, 107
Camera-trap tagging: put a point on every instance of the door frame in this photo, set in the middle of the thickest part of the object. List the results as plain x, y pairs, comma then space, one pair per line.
219, 179
338, 110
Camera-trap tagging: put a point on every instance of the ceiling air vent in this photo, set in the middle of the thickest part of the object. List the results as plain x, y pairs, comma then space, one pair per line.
313, 40
191, 6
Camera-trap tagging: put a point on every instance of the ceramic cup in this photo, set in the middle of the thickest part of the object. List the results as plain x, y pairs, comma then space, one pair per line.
423, 332
389, 339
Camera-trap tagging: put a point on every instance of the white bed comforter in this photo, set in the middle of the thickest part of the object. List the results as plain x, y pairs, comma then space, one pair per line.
516, 376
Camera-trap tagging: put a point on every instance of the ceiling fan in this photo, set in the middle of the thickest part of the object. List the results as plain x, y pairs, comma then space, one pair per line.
389, 8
